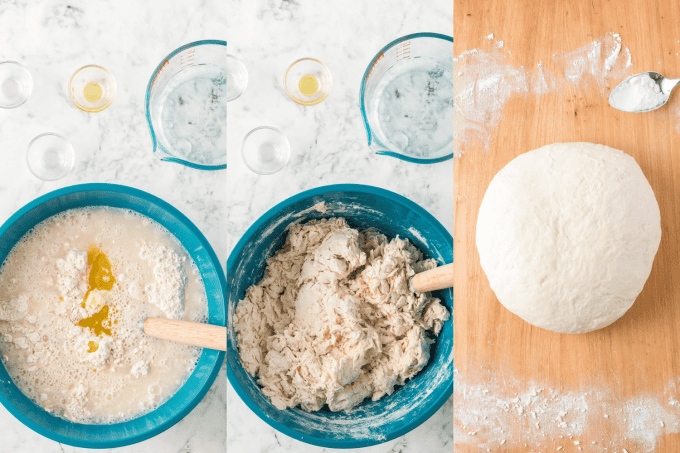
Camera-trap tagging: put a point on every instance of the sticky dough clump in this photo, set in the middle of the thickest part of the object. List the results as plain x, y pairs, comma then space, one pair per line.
334, 321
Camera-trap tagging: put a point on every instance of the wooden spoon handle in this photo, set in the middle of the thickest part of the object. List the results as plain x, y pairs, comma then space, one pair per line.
187, 332
434, 279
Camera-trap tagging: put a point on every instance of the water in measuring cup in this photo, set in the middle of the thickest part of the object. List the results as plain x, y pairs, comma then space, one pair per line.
193, 115
411, 110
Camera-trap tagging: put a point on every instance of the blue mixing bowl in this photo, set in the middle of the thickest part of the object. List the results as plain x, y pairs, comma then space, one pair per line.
372, 422
191, 393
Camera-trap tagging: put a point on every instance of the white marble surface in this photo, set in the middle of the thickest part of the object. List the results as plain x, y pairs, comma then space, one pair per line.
328, 146
128, 37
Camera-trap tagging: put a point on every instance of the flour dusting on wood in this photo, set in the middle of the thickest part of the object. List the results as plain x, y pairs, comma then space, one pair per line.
486, 81
502, 410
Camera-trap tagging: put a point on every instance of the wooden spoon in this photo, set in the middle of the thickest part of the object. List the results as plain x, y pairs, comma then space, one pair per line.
187, 332
215, 337
434, 279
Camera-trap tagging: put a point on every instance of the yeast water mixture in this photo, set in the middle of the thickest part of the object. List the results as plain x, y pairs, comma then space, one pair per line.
74, 294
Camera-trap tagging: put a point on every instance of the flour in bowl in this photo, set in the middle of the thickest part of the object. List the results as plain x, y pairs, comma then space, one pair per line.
74, 294
167, 292
334, 320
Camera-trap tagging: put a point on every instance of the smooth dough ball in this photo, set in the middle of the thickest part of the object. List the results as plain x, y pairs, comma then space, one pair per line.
567, 235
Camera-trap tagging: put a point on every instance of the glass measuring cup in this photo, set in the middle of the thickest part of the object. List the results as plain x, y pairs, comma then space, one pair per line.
186, 106
407, 99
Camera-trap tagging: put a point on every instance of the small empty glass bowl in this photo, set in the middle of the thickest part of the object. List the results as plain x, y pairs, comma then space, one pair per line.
50, 156
308, 81
237, 78
16, 84
265, 150
92, 88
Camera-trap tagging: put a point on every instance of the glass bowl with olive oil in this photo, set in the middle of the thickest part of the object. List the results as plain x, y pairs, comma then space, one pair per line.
92, 88
308, 81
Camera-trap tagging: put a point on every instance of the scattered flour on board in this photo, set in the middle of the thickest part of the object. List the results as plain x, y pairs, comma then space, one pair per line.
486, 81
507, 411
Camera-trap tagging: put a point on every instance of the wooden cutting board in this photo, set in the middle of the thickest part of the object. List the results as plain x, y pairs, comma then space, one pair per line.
639, 355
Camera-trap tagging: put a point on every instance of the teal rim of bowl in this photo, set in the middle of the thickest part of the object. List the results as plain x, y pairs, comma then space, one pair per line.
216, 357
156, 143
362, 93
323, 442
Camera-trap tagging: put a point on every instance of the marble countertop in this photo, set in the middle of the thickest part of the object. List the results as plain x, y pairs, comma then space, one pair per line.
129, 38
328, 146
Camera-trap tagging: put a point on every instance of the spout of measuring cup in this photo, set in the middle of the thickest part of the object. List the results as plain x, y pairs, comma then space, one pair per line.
373, 143
158, 151
378, 148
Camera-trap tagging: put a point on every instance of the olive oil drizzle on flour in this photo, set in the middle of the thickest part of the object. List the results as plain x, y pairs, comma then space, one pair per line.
101, 278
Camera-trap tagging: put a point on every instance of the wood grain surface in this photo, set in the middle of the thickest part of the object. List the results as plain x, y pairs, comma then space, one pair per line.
639, 354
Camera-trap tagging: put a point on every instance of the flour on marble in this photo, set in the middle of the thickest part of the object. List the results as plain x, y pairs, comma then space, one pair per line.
486, 81
502, 410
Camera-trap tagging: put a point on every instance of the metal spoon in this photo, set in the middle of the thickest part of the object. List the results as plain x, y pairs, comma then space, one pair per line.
665, 85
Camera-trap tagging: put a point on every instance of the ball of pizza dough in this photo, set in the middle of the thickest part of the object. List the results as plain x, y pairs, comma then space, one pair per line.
567, 235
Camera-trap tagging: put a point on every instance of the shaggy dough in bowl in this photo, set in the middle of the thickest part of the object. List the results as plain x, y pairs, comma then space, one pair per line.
334, 320
567, 235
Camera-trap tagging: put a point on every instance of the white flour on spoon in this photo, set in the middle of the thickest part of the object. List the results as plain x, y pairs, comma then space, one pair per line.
638, 93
